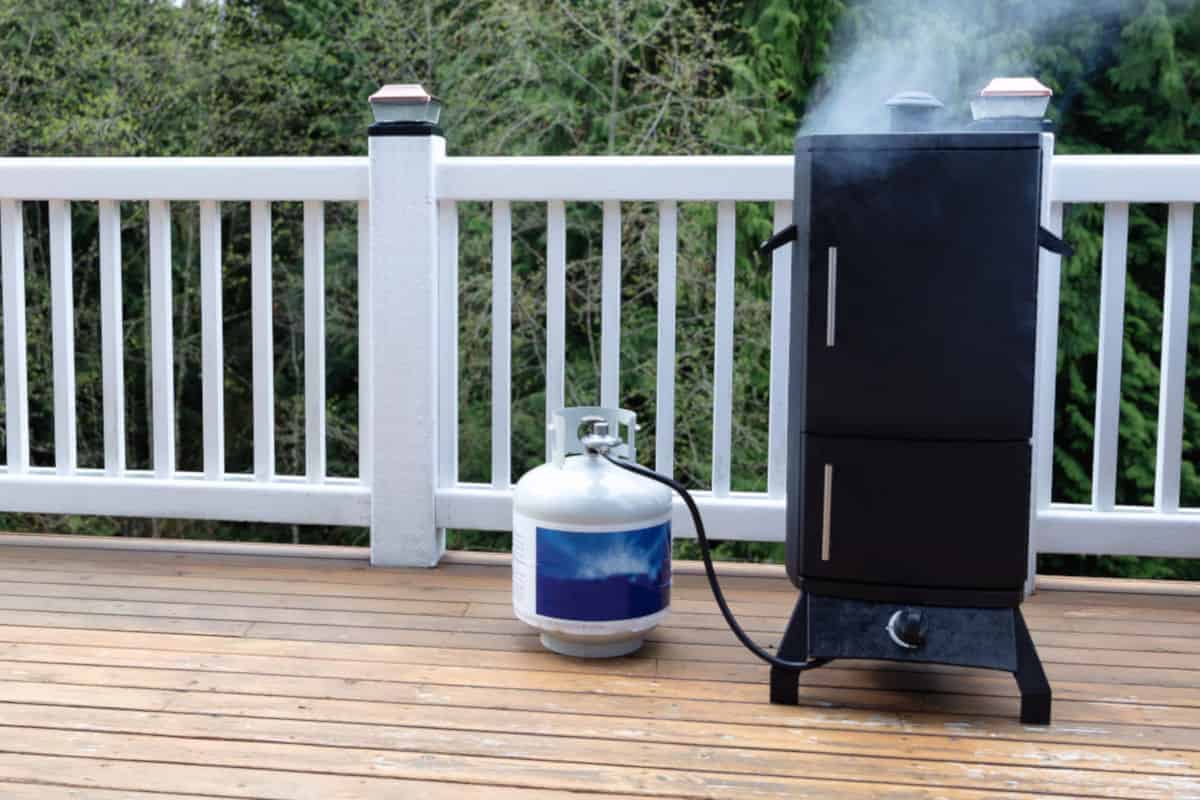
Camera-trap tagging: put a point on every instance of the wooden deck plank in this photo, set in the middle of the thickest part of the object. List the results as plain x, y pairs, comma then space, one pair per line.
1057, 746
845, 701
665, 759
1071, 583
762, 583
677, 651
1167, 637
45, 791
419, 585
582, 699
265, 676
911, 678
661, 648
900, 780
137, 588
495, 659
165, 776
493, 577
1185, 610
492, 571
252, 553
469, 569
1105, 675
420, 613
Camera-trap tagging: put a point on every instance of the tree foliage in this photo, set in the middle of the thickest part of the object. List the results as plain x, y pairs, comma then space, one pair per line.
283, 77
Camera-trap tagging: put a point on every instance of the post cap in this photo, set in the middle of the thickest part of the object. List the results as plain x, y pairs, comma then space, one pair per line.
1015, 87
1011, 98
405, 102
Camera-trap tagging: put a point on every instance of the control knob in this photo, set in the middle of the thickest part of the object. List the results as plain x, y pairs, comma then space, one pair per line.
907, 628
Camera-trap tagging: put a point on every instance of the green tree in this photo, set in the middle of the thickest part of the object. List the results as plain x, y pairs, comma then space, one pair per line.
283, 77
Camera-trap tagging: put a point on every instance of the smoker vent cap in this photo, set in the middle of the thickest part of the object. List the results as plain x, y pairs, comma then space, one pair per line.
914, 111
914, 100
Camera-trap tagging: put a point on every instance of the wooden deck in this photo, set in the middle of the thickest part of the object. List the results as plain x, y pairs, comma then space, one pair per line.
139, 675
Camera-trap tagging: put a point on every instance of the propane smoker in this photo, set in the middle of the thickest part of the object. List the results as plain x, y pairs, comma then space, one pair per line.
913, 319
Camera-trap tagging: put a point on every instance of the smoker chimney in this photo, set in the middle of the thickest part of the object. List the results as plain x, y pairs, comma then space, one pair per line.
914, 111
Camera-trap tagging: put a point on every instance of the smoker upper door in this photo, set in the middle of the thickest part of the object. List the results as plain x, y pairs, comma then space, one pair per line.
921, 296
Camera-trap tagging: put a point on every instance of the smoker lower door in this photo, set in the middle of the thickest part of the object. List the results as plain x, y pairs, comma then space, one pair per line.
924, 515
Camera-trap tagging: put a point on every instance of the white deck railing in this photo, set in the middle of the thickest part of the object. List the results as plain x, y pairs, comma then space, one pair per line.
1103, 527
163, 491
609, 181
407, 192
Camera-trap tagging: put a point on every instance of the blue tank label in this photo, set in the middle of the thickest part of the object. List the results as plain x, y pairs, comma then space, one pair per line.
603, 576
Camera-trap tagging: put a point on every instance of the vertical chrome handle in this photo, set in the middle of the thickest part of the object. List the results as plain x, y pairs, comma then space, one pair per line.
826, 512
831, 297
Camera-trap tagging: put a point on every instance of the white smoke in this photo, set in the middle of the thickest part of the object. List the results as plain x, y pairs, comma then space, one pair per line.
949, 48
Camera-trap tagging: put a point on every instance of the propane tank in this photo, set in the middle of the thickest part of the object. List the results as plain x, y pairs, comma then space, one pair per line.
591, 542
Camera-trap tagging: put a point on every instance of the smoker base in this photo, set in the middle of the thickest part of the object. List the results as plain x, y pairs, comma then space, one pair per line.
989, 638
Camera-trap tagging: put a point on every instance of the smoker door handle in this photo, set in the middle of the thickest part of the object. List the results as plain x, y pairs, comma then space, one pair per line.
831, 297
827, 512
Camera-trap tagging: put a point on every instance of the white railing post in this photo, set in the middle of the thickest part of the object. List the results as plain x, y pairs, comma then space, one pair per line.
404, 149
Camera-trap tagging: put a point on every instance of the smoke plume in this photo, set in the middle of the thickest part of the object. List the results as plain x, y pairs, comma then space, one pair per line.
949, 48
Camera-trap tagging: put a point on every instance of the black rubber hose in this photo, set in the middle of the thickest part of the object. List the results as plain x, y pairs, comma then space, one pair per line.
702, 538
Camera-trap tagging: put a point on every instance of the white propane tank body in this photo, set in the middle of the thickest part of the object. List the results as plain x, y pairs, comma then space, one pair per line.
591, 543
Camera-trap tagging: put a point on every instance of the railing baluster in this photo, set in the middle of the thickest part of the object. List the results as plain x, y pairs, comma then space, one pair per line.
112, 337
723, 347
1049, 285
162, 339
62, 326
16, 384
212, 341
365, 379
1045, 364
777, 412
664, 403
556, 310
610, 307
1174, 357
501, 344
1108, 372
448, 338
262, 336
314, 340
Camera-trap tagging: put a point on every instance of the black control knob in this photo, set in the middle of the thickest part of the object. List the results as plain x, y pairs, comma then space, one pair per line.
907, 628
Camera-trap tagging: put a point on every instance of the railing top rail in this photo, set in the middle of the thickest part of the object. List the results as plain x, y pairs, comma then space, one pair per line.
593, 178
234, 179
1126, 179
1077, 179
584, 178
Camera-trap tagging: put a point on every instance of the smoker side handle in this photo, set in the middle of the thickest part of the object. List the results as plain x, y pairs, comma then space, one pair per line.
1054, 244
782, 237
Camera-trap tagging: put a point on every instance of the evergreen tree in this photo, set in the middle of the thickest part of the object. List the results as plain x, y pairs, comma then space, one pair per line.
264, 77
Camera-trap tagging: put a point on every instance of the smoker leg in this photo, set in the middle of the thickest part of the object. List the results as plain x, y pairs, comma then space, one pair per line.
1031, 678
785, 683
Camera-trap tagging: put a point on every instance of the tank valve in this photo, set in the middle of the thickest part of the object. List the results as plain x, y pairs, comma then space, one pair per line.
599, 441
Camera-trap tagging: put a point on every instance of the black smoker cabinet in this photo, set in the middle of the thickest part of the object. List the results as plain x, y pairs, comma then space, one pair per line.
911, 401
